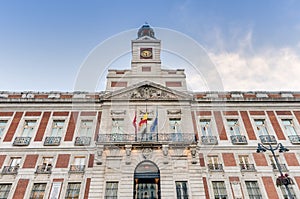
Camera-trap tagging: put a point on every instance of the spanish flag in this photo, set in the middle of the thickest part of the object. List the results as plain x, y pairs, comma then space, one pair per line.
143, 120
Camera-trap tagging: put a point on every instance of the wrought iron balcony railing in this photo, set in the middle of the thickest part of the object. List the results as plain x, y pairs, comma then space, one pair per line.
52, 141
10, 170
215, 167
77, 168
282, 166
268, 139
207, 140
22, 141
82, 141
295, 139
238, 139
44, 169
147, 137
247, 167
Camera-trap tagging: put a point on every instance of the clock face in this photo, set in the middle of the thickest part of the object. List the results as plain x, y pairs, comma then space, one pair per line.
146, 53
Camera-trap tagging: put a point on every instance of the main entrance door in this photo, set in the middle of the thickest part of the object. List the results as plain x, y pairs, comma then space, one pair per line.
146, 181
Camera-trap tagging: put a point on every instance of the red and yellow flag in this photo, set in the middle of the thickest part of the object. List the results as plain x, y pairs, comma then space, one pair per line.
143, 120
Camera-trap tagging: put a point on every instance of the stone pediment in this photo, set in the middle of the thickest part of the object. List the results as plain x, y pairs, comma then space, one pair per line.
147, 91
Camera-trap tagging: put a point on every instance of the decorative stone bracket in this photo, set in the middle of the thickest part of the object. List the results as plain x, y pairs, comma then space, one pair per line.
193, 149
128, 153
99, 159
165, 150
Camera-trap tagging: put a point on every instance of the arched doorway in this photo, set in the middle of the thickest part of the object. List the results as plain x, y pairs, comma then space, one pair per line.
146, 181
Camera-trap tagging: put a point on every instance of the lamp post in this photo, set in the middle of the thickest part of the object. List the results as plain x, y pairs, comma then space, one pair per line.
282, 179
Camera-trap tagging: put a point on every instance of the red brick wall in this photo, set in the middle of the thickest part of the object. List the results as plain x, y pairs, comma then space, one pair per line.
33, 114
291, 159
173, 84
203, 113
91, 160
71, 126
87, 188
248, 126
234, 179
30, 161
63, 161
6, 114
270, 187
118, 84
228, 159
2, 158
201, 160
194, 125
276, 125
21, 188
88, 113
260, 159
283, 113
13, 127
41, 130
297, 179
230, 113
64, 113
220, 125
297, 114
257, 112
205, 188
97, 125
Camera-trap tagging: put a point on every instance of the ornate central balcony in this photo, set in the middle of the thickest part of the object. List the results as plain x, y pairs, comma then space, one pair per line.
268, 139
22, 141
247, 167
44, 169
82, 141
238, 139
147, 138
215, 167
52, 141
77, 168
209, 140
7, 170
295, 139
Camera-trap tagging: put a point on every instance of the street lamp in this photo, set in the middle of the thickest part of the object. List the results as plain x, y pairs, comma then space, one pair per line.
282, 179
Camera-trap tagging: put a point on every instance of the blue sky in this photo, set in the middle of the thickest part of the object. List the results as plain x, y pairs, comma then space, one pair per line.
254, 44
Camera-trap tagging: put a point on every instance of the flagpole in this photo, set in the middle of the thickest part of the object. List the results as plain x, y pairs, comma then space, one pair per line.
157, 124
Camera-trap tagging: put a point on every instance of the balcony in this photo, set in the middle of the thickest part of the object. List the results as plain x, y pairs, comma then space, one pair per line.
8, 170
52, 141
22, 141
209, 140
247, 167
295, 139
82, 141
215, 167
77, 168
282, 166
147, 138
268, 139
238, 139
44, 169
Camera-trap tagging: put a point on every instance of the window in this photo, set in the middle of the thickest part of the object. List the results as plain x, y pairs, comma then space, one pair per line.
285, 194
46, 166
244, 163
73, 190
4, 190
261, 127
181, 190
2, 127
117, 125
111, 191
253, 190
15, 161
38, 191
219, 190
289, 127
57, 128
205, 125
175, 125
213, 163
274, 165
28, 128
78, 164
233, 126
86, 128
244, 159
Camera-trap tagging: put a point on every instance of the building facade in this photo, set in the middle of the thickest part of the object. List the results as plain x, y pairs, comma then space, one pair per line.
147, 136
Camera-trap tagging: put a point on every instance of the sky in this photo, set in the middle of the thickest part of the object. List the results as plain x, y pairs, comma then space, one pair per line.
254, 44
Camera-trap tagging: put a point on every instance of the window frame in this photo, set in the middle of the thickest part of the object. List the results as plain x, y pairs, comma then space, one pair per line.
37, 190
253, 191
184, 193
72, 191
208, 126
221, 191
111, 193
5, 191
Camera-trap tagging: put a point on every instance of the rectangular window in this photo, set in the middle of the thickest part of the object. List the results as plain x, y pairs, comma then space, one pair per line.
73, 190
175, 125
261, 126
181, 190
117, 126
111, 190
289, 127
214, 164
219, 190
28, 129
78, 164
2, 127
253, 190
86, 127
46, 166
233, 126
38, 191
57, 128
205, 125
4, 190
15, 161
285, 194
